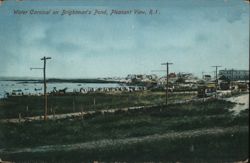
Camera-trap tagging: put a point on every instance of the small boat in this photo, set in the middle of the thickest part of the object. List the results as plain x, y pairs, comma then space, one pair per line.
38, 89
18, 90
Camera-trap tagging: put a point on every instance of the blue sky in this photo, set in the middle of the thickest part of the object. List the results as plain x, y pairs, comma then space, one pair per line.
193, 34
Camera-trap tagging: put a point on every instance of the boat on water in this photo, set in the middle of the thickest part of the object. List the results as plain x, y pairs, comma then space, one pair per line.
38, 89
17, 92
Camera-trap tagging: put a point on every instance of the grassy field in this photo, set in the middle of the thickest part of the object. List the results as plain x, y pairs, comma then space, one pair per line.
208, 148
136, 124
34, 105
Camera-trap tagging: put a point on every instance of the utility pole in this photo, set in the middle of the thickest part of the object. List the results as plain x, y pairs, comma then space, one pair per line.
202, 77
216, 74
232, 74
44, 59
167, 66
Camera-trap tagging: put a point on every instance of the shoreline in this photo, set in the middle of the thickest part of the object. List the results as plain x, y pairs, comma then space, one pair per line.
55, 80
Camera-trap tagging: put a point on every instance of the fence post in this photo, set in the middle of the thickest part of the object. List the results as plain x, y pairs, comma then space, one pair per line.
19, 117
53, 114
27, 110
74, 103
82, 111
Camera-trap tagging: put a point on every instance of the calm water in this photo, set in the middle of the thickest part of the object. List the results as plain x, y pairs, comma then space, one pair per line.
36, 88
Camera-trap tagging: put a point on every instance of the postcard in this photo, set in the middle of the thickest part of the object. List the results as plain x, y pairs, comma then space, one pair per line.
124, 81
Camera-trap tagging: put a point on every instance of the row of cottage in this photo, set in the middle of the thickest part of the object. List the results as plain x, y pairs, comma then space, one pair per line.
225, 74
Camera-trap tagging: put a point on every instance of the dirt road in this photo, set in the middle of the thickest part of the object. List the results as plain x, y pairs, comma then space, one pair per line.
70, 115
242, 103
79, 114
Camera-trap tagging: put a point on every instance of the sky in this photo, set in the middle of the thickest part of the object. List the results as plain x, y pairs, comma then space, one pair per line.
192, 34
